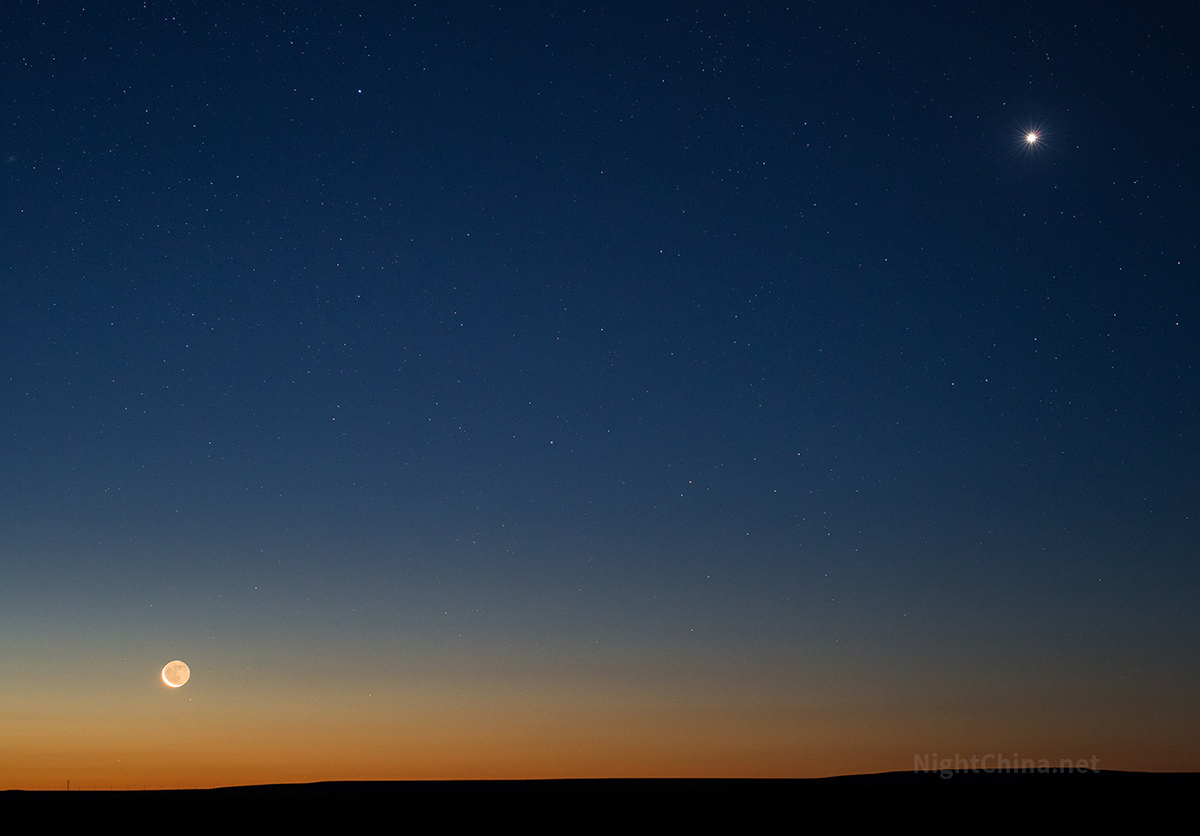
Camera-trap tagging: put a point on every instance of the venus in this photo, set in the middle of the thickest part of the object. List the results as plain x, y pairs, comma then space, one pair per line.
1031, 141
176, 673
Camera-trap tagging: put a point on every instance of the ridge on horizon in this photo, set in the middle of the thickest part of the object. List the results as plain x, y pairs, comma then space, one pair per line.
894, 779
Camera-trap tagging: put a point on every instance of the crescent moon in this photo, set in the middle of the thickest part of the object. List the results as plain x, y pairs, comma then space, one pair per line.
176, 674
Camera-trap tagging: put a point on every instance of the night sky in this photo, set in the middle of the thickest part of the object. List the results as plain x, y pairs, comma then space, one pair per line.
647, 390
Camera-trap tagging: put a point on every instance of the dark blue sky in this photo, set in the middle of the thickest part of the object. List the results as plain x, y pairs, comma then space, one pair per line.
611, 326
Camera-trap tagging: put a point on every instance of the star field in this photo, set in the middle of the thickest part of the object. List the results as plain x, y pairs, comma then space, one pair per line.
630, 390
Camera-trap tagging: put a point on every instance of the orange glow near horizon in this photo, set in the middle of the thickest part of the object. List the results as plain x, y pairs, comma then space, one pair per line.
500, 728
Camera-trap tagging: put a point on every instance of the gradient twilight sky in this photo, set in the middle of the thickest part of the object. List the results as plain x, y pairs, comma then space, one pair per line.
647, 390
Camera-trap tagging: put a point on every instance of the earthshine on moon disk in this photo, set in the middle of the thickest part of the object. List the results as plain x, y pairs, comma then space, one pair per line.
176, 673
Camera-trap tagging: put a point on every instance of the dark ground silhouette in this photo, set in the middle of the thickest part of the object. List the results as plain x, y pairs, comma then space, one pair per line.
964, 800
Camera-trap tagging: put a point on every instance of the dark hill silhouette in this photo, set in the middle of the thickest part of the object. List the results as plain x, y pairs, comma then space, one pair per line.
963, 799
